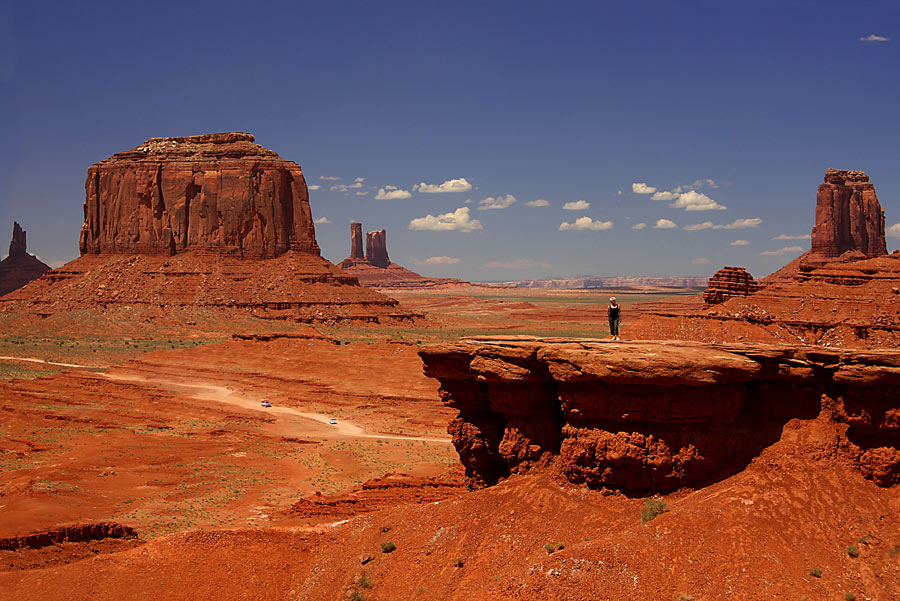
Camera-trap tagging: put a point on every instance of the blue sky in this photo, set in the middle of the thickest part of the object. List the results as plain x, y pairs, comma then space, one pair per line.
741, 105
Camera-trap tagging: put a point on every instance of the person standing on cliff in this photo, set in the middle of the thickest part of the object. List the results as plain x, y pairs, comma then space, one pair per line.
613, 313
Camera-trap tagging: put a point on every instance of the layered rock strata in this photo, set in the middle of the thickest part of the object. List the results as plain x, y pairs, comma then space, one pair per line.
656, 416
217, 193
729, 282
19, 267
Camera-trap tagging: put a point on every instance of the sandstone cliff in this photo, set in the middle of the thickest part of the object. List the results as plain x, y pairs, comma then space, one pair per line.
217, 193
19, 267
656, 416
848, 216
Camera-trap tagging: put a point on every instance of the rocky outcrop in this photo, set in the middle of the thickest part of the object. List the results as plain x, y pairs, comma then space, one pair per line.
356, 244
376, 249
656, 416
217, 193
19, 267
729, 282
377, 271
848, 217
68, 534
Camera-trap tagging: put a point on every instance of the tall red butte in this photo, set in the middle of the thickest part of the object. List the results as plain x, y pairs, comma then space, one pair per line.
212, 221
216, 192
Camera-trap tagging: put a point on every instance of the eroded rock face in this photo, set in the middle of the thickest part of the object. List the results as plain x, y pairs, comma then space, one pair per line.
729, 282
19, 268
376, 249
356, 244
656, 416
848, 216
218, 193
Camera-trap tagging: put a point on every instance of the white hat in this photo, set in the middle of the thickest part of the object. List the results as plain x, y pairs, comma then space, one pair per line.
612, 298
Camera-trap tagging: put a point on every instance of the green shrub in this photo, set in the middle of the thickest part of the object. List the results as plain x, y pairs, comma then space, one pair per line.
652, 508
815, 573
357, 596
387, 547
850, 597
458, 562
364, 582
853, 551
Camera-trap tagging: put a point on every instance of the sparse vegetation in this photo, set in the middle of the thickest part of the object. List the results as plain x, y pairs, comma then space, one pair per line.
895, 551
850, 597
815, 573
458, 562
552, 548
388, 547
853, 551
357, 596
652, 508
364, 582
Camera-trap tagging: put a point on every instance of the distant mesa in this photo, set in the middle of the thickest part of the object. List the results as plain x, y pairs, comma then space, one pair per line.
375, 268
727, 283
19, 267
212, 221
615, 282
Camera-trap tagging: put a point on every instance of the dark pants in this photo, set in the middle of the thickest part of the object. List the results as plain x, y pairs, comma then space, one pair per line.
613, 326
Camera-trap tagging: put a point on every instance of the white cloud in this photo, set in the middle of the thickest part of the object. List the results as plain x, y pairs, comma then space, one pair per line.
737, 224
451, 185
540, 202
874, 38
662, 195
706, 225
639, 226
359, 180
664, 224
740, 243
642, 188
894, 231
700, 261
586, 223
437, 261
458, 221
517, 264
619, 193
356, 185
322, 220
501, 202
782, 251
787, 237
330, 178
577, 205
696, 201
391, 193
314, 187
363, 193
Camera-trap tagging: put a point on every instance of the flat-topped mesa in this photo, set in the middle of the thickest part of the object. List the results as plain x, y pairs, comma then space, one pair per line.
217, 193
848, 217
727, 283
644, 417
376, 249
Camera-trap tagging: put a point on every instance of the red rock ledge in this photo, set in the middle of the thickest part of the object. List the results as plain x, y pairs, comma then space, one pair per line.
657, 416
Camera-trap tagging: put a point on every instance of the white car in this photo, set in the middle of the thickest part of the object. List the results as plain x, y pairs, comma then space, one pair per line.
265, 403
332, 421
